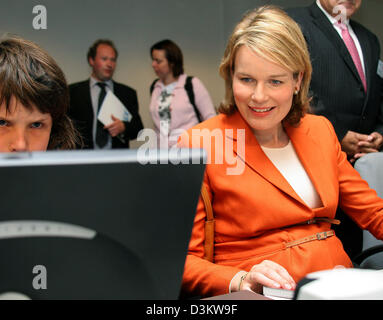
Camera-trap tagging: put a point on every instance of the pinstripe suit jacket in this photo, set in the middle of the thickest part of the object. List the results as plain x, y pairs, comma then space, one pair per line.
336, 87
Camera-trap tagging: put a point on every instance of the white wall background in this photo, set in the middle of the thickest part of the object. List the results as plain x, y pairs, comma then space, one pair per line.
199, 27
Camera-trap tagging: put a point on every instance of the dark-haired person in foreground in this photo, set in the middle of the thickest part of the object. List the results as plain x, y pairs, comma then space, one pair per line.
34, 100
87, 96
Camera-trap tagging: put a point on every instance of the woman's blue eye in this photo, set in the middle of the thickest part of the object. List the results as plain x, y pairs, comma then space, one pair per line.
36, 125
275, 82
3, 123
246, 79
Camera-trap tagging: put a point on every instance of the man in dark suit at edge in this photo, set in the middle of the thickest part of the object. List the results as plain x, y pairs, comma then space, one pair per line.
346, 85
87, 96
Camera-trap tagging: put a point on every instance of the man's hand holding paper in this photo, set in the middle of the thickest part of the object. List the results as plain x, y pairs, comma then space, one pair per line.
116, 127
113, 114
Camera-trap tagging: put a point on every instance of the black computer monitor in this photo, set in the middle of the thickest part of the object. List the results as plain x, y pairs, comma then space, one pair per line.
96, 224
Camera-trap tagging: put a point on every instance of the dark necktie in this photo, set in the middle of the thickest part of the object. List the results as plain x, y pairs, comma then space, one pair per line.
101, 133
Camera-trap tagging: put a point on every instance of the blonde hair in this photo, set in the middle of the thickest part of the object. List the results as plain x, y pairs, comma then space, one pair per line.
274, 36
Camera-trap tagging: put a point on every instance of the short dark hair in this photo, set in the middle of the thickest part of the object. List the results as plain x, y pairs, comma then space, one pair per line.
173, 54
92, 52
30, 75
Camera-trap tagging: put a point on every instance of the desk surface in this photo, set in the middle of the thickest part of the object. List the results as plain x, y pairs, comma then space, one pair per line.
240, 295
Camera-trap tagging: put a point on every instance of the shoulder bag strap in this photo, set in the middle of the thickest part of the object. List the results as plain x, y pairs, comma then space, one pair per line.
152, 86
189, 90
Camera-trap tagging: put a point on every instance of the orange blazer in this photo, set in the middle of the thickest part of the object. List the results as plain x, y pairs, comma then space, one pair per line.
255, 210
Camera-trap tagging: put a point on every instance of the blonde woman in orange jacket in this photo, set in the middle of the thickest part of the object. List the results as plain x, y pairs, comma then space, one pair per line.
273, 214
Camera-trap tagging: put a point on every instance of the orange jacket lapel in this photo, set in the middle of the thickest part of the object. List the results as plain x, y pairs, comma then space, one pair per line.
254, 157
311, 156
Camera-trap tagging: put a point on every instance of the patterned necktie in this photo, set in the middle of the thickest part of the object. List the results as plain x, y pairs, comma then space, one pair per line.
350, 44
101, 133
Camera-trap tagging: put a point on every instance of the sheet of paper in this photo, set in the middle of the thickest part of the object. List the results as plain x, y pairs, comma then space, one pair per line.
278, 294
380, 69
112, 105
